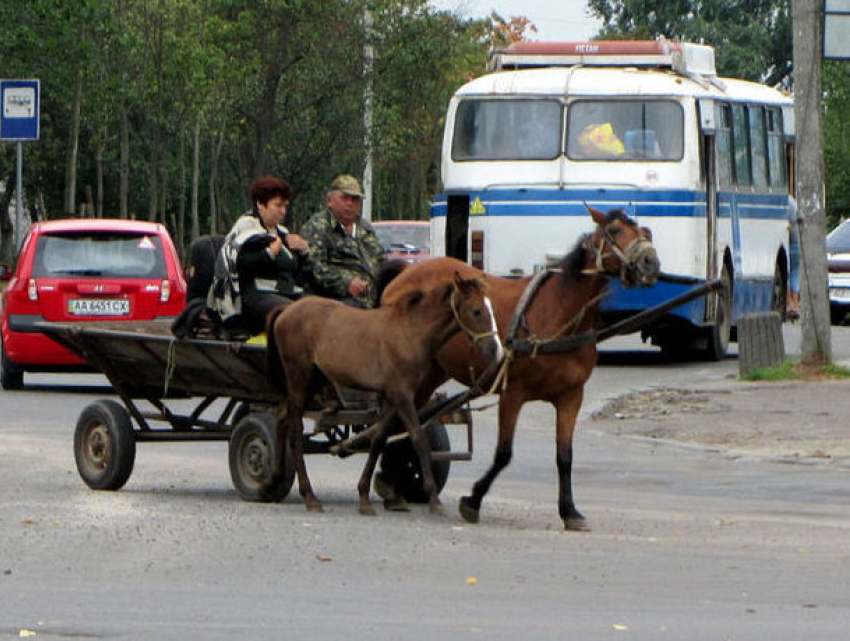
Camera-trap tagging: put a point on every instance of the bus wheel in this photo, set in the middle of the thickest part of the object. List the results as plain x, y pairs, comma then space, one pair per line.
720, 332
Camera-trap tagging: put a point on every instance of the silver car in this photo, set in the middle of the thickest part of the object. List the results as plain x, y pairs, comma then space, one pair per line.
838, 263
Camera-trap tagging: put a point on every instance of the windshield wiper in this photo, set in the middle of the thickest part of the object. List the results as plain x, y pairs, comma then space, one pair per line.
82, 272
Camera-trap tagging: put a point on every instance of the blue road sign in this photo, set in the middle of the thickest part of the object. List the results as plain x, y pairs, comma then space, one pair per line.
19, 109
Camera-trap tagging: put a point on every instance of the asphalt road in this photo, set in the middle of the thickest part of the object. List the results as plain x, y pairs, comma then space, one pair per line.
683, 544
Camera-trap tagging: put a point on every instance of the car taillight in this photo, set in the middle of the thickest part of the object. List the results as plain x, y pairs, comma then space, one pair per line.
476, 247
165, 291
32, 289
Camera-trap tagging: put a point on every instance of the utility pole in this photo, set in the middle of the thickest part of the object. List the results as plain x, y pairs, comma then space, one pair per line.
816, 345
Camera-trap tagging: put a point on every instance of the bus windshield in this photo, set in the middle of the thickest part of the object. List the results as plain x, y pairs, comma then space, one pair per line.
625, 130
516, 129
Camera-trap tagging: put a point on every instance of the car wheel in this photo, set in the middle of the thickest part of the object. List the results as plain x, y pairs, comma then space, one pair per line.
400, 465
11, 376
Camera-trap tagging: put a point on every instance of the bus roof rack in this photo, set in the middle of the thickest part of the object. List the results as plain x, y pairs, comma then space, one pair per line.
682, 57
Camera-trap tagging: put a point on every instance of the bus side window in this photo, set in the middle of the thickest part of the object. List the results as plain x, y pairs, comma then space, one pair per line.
724, 145
743, 177
776, 149
758, 146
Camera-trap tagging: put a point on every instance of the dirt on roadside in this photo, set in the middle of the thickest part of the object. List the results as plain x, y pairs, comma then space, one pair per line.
788, 420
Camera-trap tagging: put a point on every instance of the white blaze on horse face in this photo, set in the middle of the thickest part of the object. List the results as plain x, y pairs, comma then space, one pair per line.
500, 352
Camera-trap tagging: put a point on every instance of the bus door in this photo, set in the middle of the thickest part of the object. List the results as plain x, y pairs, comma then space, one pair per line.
457, 227
708, 116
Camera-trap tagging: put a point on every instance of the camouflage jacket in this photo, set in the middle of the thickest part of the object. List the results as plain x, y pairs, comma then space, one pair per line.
338, 257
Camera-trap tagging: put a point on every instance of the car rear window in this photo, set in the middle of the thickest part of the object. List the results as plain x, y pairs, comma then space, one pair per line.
99, 254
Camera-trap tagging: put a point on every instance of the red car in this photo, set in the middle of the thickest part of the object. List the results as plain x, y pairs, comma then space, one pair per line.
407, 240
84, 270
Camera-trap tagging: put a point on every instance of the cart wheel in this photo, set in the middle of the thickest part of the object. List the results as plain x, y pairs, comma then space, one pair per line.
104, 445
250, 453
400, 465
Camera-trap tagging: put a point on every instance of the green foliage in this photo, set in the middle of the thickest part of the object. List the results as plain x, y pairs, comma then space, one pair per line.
277, 86
791, 370
752, 38
836, 90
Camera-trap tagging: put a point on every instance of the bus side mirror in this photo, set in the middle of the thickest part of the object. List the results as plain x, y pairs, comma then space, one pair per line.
5, 272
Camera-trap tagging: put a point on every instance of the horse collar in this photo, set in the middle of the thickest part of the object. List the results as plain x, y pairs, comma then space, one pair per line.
523, 303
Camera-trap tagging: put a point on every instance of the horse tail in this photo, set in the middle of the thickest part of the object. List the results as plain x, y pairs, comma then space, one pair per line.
274, 366
386, 274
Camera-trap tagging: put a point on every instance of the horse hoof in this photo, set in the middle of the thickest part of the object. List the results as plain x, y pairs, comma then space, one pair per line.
368, 510
315, 507
396, 504
437, 509
578, 524
467, 512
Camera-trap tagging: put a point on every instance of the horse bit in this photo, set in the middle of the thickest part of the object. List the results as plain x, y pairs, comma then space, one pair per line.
628, 256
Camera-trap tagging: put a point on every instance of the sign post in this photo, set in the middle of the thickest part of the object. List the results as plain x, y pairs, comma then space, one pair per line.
19, 118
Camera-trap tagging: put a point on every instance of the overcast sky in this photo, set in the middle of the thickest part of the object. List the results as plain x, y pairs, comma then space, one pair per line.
564, 20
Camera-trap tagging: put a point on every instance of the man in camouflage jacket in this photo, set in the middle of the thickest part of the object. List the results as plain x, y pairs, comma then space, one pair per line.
345, 250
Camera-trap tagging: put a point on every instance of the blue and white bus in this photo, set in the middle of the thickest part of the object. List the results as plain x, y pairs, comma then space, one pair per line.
703, 161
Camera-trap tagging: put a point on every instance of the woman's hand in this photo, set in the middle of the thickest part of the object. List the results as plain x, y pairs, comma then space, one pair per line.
275, 246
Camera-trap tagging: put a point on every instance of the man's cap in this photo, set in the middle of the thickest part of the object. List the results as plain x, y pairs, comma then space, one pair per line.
347, 185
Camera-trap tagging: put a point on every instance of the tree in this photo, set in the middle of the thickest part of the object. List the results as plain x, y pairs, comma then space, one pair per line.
836, 89
168, 109
751, 38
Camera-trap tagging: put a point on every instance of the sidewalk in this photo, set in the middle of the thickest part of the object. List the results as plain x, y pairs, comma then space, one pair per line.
785, 421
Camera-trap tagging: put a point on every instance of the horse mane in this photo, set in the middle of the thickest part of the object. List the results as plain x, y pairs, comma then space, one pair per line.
387, 272
572, 264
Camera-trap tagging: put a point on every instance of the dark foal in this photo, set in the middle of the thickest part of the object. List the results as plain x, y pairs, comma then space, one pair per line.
565, 303
388, 350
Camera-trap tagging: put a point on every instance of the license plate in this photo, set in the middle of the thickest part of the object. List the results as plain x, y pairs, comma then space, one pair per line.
839, 293
98, 307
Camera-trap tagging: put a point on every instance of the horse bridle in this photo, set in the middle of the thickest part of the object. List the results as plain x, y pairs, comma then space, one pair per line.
628, 256
473, 336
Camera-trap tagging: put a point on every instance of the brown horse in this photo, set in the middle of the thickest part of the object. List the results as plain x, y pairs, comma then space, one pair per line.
388, 350
548, 338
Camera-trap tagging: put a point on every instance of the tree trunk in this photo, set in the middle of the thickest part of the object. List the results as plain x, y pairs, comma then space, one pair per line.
98, 168
180, 223
216, 152
816, 345
153, 172
196, 180
7, 228
73, 146
88, 205
124, 188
